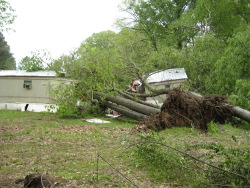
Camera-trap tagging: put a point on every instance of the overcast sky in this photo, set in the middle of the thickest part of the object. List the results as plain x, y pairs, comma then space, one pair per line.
58, 25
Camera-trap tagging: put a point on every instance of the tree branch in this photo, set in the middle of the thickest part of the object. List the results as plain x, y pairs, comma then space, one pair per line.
136, 99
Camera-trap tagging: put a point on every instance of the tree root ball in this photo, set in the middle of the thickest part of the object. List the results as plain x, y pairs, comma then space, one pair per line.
184, 109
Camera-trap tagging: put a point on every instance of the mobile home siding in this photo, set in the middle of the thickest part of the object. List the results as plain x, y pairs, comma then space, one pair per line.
13, 91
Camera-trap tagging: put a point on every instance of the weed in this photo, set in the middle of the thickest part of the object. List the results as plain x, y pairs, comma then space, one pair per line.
213, 128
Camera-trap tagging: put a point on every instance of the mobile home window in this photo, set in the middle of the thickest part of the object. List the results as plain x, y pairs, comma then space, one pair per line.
167, 86
27, 84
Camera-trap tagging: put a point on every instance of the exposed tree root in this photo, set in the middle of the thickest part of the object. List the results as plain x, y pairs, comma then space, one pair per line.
184, 109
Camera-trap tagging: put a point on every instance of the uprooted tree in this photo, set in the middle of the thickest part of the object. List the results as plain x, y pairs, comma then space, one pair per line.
181, 108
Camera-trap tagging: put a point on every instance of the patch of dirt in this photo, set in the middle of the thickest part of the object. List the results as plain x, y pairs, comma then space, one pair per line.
184, 109
10, 128
124, 130
86, 129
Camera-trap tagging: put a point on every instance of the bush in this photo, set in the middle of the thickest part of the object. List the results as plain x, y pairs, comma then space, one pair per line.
66, 99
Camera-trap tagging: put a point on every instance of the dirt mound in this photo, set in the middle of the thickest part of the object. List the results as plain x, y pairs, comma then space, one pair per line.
42, 180
184, 109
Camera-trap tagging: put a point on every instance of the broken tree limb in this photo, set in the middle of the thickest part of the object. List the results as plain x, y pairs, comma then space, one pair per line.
127, 112
146, 110
159, 92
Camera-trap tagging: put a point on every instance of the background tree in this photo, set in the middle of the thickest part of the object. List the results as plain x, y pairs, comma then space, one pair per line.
65, 63
6, 15
156, 19
39, 60
7, 61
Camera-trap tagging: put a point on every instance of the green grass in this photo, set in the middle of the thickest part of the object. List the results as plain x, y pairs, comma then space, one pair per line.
42, 142
226, 147
68, 148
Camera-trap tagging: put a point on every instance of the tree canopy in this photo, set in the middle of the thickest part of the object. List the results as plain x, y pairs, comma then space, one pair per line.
38, 60
7, 16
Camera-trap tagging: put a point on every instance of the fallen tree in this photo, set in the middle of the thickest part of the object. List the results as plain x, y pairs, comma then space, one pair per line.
182, 108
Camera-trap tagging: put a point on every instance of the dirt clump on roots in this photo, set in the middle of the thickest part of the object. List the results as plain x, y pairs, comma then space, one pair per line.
184, 109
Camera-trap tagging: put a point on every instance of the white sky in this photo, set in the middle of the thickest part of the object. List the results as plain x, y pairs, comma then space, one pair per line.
58, 26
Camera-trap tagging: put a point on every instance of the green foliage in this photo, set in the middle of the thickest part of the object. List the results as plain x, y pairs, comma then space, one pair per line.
6, 15
66, 99
241, 94
31, 64
220, 18
64, 63
156, 19
72, 103
236, 161
233, 160
7, 61
199, 62
107, 60
235, 62
96, 65
213, 128
135, 53
37, 61
166, 165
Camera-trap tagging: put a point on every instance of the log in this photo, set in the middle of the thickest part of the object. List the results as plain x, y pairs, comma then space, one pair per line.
143, 109
127, 112
241, 113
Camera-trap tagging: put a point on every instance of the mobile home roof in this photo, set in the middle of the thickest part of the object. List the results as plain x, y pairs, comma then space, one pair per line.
18, 73
167, 75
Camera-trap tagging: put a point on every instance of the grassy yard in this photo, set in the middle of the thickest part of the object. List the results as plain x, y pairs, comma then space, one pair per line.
111, 155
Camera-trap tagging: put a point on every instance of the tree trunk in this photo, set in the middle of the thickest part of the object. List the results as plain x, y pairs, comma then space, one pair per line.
241, 113
144, 109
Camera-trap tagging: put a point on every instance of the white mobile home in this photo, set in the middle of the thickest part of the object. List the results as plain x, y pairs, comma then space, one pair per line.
165, 79
21, 90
